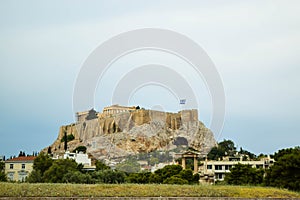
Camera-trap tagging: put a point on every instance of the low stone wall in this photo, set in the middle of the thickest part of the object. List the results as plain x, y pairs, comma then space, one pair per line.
140, 198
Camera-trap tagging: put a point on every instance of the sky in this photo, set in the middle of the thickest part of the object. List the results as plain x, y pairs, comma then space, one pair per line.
254, 46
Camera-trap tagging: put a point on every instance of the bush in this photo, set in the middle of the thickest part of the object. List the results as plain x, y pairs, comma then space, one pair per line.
175, 180
142, 177
69, 138
59, 168
186, 174
77, 177
35, 177
244, 175
101, 166
109, 176
80, 149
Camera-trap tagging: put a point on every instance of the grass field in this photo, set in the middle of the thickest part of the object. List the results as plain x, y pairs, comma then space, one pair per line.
135, 190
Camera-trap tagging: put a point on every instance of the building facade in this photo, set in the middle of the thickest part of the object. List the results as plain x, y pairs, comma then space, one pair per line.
80, 158
17, 169
212, 171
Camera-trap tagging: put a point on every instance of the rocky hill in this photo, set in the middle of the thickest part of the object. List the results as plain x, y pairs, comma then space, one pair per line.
110, 135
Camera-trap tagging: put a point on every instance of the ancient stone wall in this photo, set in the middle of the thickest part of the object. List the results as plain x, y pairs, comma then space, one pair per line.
137, 131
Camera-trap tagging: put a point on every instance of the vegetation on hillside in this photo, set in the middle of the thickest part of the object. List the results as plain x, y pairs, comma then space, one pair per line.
67, 138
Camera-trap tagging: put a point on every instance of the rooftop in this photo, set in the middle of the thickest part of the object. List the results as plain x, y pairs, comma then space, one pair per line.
21, 158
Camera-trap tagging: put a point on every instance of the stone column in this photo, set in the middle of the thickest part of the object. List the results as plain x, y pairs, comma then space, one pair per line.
195, 164
183, 162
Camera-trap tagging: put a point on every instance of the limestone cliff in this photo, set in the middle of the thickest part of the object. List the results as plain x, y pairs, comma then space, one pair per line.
138, 131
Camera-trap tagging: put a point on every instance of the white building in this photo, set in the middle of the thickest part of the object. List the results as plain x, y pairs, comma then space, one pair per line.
80, 158
212, 170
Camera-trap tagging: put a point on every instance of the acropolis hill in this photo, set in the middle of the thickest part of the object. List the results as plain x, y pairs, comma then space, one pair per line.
120, 131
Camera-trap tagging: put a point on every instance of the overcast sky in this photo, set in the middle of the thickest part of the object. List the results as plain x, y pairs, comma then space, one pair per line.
254, 45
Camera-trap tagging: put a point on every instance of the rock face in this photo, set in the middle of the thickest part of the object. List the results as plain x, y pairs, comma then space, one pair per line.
138, 131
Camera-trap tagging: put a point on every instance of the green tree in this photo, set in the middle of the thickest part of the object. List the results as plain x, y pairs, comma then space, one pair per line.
101, 166
77, 177
155, 178
35, 177
285, 173
215, 153
187, 174
58, 169
153, 161
226, 147
129, 166
244, 175
142, 177
166, 172
109, 176
2, 173
42, 163
287, 151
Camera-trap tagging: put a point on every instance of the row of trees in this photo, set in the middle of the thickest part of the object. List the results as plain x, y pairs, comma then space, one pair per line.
227, 148
170, 174
285, 173
48, 170
68, 171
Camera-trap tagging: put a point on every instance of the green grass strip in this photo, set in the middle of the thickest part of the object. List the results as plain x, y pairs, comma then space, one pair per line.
136, 190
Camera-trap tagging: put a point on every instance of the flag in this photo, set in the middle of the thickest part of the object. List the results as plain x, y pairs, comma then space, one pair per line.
182, 101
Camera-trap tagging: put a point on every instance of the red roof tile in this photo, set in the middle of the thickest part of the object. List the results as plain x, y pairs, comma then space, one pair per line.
22, 158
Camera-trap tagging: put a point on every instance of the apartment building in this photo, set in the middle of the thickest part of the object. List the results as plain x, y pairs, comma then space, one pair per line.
212, 170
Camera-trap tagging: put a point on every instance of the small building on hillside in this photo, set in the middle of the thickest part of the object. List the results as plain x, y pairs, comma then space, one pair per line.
17, 169
80, 158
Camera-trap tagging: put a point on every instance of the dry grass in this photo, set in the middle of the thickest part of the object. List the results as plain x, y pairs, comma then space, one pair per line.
135, 190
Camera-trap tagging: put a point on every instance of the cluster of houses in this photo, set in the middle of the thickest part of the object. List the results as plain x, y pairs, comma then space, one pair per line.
210, 171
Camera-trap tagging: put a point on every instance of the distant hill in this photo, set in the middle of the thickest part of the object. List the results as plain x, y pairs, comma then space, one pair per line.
121, 131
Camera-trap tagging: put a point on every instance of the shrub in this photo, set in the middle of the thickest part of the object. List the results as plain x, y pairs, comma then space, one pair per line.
69, 138
80, 149
175, 180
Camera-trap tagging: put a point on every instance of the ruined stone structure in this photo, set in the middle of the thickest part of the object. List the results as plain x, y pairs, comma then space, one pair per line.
86, 115
115, 109
120, 131
187, 155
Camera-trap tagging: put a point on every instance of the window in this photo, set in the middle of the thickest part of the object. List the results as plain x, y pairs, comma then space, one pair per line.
259, 166
23, 166
228, 167
209, 166
219, 176
11, 166
218, 167
10, 176
22, 176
